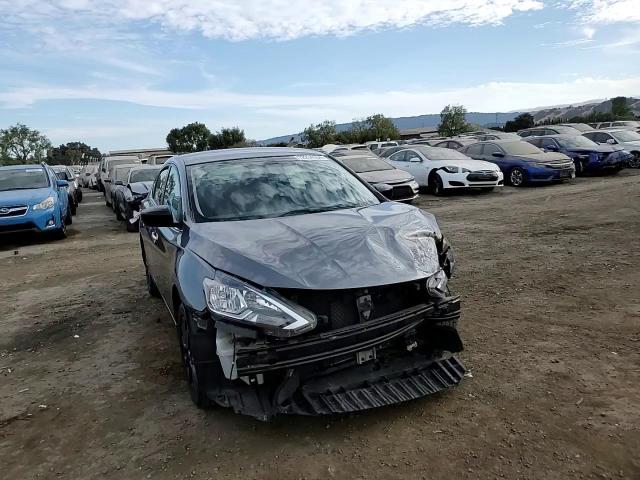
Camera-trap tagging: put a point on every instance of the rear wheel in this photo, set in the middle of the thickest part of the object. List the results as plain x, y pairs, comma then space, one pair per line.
194, 373
516, 177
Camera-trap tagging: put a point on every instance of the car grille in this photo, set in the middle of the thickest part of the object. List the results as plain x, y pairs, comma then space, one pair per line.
482, 176
13, 211
402, 192
558, 165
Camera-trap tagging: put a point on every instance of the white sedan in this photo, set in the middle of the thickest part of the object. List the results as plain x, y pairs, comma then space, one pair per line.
441, 169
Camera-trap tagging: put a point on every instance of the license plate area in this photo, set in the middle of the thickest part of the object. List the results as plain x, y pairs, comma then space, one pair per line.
364, 356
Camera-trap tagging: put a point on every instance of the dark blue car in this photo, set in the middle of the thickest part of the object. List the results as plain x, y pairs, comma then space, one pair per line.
522, 163
587, 155
33, 199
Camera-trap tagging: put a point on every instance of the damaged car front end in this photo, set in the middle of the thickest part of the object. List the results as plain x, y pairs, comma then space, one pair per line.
332, 309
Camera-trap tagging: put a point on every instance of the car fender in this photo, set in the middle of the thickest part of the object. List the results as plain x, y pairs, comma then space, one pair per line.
191, 271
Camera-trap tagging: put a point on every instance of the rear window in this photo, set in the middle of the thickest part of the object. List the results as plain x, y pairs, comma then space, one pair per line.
366, 164
16, 179
146, 175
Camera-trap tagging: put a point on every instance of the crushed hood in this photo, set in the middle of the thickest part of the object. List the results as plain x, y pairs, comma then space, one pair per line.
386, 176
383, 244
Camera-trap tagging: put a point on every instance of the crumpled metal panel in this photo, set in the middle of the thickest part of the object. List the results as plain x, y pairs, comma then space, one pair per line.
355, 248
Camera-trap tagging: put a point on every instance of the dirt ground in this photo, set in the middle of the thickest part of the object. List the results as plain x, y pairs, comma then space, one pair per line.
91, 385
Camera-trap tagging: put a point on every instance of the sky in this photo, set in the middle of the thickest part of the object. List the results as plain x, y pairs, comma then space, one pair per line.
121, 73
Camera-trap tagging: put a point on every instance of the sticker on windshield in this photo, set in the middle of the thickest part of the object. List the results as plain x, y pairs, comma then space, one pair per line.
309, 157
33, 170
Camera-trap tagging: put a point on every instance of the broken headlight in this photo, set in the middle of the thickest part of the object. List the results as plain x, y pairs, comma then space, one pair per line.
237, 302
437, 284
445, 256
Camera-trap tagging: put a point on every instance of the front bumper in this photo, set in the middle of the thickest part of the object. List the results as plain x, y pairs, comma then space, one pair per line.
540, 173
484, 179
388, 360
34, 221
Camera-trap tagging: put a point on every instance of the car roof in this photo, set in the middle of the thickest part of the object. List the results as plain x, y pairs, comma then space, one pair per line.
59, 167
244, 153
21, 167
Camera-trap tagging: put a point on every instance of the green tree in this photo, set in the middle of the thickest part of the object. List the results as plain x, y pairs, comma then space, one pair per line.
227, 137
524, 120
73, 153
190, 138
318, 135
620, 109
453, 121
20, 144
381, 128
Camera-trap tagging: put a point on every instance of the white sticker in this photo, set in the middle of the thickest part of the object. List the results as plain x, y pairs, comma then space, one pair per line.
33, 170
310, 157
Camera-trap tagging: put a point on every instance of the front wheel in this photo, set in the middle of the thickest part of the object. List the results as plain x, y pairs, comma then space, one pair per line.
635, 161
61, 233
79, 195
436, 185
73, 207
193, 372
579, 168
517, 177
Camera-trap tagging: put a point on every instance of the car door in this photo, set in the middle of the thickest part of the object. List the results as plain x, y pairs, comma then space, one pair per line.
488, 151
168, 238
150, 235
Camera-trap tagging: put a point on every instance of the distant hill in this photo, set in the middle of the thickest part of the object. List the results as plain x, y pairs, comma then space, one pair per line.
488, 119
404, 123
579, 110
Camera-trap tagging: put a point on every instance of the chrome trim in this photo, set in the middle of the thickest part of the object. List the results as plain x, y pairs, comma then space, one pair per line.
5, 212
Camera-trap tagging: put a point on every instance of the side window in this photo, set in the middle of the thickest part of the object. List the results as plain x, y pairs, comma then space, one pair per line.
409, 154
398, 156
172, 194
158, 187
602, 137
548, 142
475, 149
536, 141
526, 134
490, 149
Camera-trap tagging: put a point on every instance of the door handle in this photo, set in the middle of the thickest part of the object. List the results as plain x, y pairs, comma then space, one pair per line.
154, 235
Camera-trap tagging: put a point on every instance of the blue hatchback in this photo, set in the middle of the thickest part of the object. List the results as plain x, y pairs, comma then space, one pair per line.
33, 199
587, 155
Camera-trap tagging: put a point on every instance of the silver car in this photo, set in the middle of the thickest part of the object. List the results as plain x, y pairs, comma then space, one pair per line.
627, 139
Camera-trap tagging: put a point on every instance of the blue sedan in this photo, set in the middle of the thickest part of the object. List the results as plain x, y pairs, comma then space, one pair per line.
33, 199
522, 163
587, 155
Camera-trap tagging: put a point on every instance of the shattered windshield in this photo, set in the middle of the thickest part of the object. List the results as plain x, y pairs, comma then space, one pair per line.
246, 189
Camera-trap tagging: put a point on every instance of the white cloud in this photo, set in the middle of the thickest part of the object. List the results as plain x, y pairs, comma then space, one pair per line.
488, 97
607, 11
275, 19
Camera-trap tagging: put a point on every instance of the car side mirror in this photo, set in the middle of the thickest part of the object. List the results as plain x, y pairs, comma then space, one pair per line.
498, 154
158, 217
106, 180
384, 188
62, 184
119, 182
415, 160
611, 141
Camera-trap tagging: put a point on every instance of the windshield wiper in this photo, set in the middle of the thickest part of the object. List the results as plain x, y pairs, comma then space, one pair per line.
302, 211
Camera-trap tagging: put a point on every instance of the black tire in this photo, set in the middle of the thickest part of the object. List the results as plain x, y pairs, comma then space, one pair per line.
194, 373
69, 217
579, 168
435, 183
635, 161
79, 195
61, 233
516, 177
131, 227
72, 206
118, 213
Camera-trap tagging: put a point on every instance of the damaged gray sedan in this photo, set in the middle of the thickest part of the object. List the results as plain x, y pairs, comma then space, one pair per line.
296, 287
